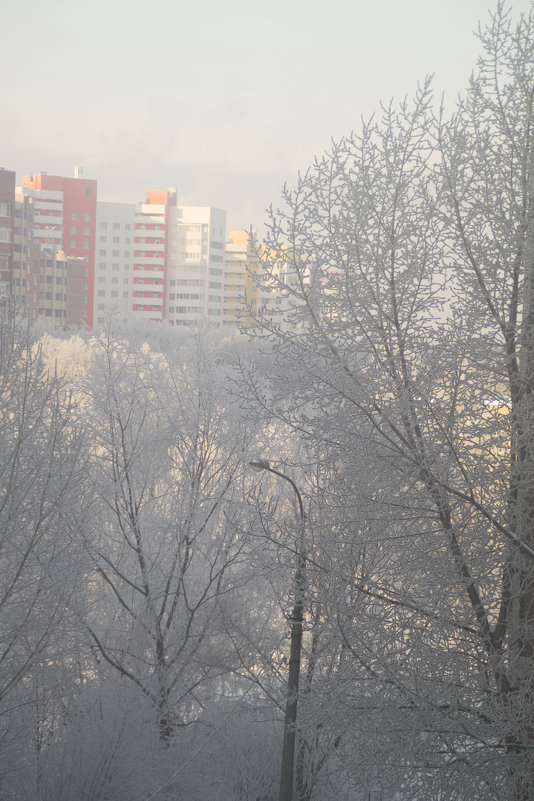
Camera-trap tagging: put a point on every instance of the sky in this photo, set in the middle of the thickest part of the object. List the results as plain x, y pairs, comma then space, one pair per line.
226, 101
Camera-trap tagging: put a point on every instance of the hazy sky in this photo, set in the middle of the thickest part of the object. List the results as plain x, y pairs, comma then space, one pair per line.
224, 100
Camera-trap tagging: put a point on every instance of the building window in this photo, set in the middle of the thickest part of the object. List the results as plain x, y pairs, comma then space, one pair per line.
5, 209
86, 245
87, 217
73, 243
87, 231
73, 229
101, 279
116, 240
101, 293
115, 253
102, 252
114, 293
103, 225
5, 234
116, 226
127, 227
115, 267
74, 216
125, 294
115, 280
103, 239
88, 191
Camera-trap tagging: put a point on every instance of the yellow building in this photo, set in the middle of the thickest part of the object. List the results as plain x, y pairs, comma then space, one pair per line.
254, 290
240, 290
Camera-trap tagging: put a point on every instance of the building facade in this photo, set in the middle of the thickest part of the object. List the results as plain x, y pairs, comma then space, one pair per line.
61, 288
25, 275
7, 225
113, 287
65, 220
151, 250
77, 261
242, 295
195, 275
157, 261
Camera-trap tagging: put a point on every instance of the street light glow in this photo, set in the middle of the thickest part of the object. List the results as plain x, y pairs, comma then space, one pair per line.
258, 464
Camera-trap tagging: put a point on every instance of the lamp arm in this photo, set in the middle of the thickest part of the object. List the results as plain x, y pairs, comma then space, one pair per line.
283, 475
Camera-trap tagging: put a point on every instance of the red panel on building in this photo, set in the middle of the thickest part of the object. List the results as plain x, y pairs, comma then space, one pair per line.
79, 223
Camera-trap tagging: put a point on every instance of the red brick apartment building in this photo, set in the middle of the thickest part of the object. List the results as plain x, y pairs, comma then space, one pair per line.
65, 220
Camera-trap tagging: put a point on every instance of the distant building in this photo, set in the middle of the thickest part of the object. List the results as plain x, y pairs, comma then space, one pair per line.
65, 220
195, 278
62, 288
19, 265
26, 252
114, 278
77, 261
242, 295
259, 285
158, 261
7, 224
151, 255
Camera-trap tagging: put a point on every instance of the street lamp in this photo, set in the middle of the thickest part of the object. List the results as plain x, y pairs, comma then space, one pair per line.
288, 747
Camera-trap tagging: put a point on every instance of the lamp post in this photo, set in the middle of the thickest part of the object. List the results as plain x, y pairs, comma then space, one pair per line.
288, 747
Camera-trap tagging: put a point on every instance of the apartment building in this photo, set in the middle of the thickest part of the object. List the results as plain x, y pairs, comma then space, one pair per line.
65, 220
151, 252
25, 274
7, 224
131, 259
114, 277
19, 278
251, 292
159, 261
61, 288
195, 275
242, 295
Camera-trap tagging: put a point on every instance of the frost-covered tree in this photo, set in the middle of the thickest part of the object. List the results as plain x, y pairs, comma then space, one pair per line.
41, 462
169, 534
153, 579
406, 361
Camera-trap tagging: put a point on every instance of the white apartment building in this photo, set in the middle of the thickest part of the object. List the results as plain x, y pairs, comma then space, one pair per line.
157, 261
195, 274
114, 258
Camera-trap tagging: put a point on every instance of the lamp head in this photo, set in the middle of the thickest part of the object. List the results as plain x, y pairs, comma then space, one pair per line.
258, 464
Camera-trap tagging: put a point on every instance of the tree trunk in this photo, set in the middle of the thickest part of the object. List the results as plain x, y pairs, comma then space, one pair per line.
520, 741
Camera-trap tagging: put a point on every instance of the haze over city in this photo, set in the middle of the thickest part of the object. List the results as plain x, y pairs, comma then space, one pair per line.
267, 507
225, 101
